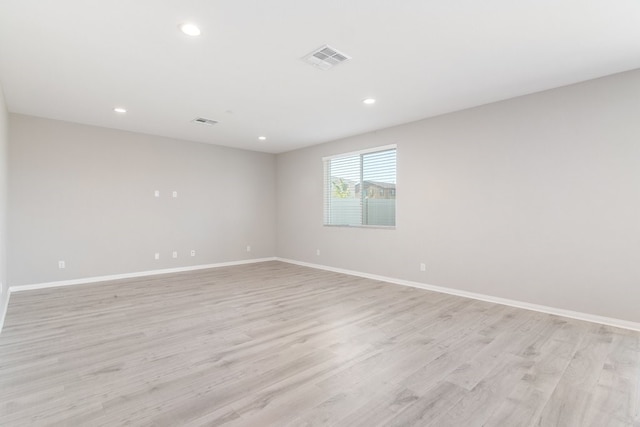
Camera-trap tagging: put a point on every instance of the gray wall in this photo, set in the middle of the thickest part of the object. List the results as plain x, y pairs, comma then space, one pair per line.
535, 199
85, 195
4, 144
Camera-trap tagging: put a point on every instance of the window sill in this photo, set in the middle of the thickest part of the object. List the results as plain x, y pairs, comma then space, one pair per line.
382, 227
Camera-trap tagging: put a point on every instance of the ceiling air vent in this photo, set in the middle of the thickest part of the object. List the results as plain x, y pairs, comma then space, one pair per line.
326, 57
204, 121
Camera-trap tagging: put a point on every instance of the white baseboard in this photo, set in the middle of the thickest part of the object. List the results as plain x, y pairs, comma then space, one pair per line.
96, 279
618, 323
5, 307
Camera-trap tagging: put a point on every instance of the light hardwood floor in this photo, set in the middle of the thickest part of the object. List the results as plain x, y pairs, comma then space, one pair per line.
273, 344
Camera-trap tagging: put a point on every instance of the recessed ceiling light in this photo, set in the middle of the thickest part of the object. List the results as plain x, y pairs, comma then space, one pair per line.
262, 138
120, 110
369, 101
189, 29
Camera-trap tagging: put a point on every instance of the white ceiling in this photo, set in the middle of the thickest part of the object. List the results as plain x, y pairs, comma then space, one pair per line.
75, 60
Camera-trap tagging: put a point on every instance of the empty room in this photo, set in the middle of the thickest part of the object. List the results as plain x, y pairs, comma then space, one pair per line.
320, 213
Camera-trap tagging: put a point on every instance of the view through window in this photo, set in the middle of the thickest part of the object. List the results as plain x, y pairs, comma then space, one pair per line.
360, 188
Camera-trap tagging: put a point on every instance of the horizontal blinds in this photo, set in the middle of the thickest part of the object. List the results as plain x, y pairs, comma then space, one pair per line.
342, 198
360, 189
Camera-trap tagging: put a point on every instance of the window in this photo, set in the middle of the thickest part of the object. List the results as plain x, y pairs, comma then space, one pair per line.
360, 188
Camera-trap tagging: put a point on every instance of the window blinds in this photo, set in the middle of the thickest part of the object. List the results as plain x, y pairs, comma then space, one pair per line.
360, 188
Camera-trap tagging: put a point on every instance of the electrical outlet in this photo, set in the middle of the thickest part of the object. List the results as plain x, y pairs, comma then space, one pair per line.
423, 266
174, 194
156, 193
248, 248
193, 252
61, 264
157, 256
174, 254
318, 252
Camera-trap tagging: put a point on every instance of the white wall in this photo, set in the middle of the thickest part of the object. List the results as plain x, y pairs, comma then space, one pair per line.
535, 199
4, 143
85, 195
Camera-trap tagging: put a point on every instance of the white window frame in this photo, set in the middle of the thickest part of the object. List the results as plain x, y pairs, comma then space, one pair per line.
325, 183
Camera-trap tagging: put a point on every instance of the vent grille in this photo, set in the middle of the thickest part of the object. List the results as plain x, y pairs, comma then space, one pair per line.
204, 121
326, 57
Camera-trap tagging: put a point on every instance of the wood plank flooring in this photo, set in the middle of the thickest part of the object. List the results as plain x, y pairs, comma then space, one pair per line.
273, 344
